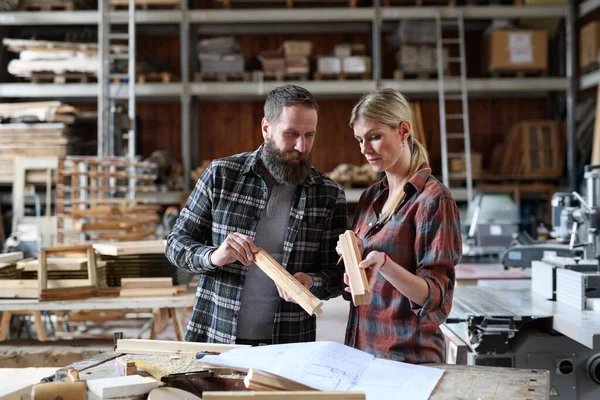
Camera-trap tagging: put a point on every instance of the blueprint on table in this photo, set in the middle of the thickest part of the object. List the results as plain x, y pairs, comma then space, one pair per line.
335, 367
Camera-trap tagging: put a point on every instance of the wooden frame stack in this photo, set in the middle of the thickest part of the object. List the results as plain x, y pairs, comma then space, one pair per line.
285, 280
96, 199
359, 284
67, 293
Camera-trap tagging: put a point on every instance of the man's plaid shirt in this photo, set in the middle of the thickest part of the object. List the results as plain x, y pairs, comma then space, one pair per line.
230, 197
423, 237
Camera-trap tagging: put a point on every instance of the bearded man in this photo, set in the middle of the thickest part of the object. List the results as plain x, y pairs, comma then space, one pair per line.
271, 198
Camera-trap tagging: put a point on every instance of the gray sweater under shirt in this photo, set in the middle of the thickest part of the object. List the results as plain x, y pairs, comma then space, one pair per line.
259, 298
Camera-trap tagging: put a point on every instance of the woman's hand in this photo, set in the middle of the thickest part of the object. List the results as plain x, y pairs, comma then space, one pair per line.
371, 264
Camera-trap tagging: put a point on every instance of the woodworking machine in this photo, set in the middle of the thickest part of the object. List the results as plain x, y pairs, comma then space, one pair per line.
522, 329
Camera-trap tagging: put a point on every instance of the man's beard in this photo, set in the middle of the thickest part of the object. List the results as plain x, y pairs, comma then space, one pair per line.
279, 166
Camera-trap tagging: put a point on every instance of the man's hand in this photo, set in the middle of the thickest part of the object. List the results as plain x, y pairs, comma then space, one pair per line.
237, 247
304, 279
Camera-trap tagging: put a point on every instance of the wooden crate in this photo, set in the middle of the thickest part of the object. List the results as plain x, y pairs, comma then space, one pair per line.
532, 149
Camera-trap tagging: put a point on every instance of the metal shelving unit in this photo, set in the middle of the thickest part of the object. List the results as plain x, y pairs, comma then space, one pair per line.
297, 18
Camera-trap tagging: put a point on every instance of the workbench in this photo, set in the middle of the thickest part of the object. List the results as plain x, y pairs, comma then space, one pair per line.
459, 381
34, 307
473, 274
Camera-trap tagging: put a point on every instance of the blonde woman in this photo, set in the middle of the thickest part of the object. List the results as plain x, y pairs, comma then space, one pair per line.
410, 229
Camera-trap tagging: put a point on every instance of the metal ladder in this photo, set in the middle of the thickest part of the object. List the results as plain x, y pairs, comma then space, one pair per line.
445, 94
108, 91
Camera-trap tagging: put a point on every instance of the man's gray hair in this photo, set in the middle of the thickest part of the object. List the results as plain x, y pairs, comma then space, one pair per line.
285, 96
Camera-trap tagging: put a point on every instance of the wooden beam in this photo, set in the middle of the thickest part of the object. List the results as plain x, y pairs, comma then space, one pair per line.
285, 280
141, 346
148, 292
264, 381
129, 248
283, 395
359, 284
130, 283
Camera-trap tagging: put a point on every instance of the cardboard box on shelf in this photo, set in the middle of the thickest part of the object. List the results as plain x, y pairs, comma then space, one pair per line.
356, 65
516, 50
329, 65
589, 44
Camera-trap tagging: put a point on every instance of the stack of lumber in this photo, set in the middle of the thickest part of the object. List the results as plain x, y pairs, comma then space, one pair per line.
96, 200
291, 60
149, 287
220, 58
143, 259
19, 277
532, 149
348, 174
55, 5
34, 130
58, 62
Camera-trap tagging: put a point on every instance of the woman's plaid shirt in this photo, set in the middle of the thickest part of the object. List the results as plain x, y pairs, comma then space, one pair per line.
424, 238
230, 197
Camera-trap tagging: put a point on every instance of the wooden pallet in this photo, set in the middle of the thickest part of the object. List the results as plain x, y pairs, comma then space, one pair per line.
279, 76
145, 4
164, 77
287, 3
67, 77
320, 76
222, 76
517, 74
401, 74
26, 5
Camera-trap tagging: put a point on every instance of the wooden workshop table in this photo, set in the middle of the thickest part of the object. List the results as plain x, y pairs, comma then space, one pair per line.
472, 274
458, 381
34, 307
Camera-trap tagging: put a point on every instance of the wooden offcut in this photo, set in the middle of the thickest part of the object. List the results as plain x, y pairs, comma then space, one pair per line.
130, 248
141, 346
265, 381
125, 366
359, 284
284, 280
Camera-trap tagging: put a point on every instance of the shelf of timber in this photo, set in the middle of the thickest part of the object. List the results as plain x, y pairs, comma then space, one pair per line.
342, 76
66, 77
143, 77
144, 4
286, 3
35, 5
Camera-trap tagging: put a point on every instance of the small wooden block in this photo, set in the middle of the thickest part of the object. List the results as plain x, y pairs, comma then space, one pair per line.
125, 367
285, 280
